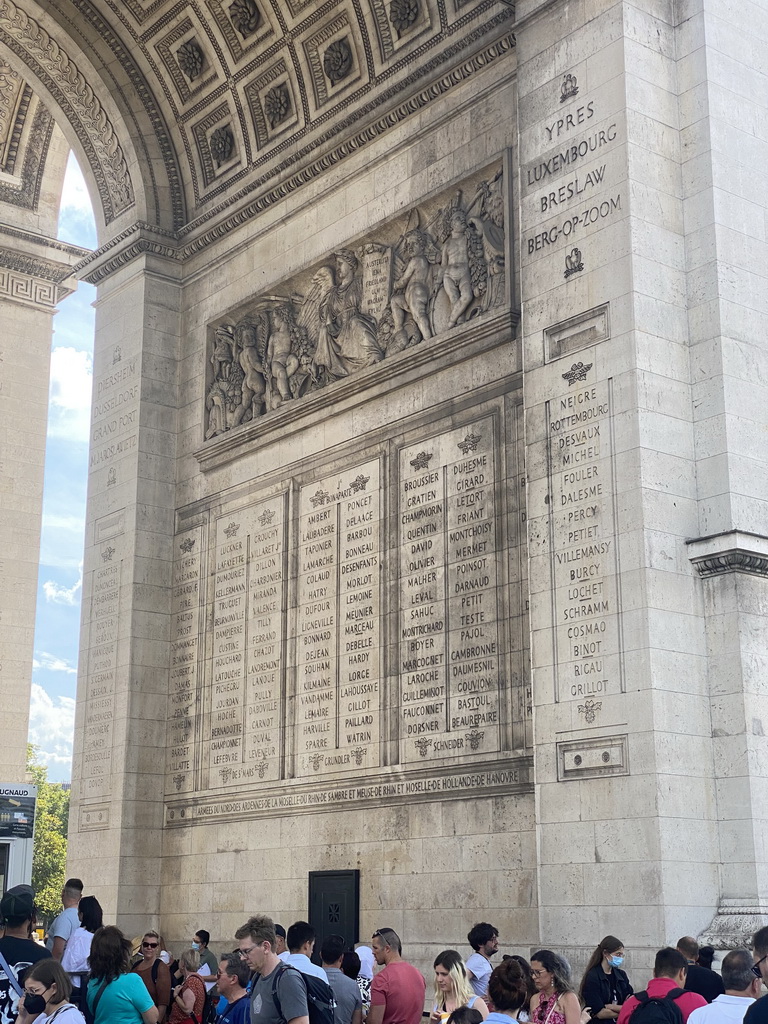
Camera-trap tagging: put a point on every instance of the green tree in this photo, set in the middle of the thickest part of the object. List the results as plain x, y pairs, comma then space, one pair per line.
49, 851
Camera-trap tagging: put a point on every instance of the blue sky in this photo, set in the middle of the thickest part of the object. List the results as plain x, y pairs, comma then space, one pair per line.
57, 625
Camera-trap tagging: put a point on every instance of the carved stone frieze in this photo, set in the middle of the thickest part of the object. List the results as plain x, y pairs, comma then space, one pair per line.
34, 266
29, 291
438, 266
70, 85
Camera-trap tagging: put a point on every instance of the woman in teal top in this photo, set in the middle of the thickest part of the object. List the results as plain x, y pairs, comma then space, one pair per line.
115, 996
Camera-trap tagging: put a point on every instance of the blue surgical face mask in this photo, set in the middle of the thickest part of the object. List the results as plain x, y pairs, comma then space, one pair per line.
195, 945
615, 961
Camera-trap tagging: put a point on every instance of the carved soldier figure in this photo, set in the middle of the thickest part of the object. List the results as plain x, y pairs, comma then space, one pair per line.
412, 289
223, 352
457, 276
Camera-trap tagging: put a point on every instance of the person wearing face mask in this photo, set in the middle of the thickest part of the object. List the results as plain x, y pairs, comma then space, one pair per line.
605, 987
47, 989
17, 951
200, 943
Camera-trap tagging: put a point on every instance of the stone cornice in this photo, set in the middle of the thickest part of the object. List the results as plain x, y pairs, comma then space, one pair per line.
733, 551
29, 237
30, 290
137, 240
34, 266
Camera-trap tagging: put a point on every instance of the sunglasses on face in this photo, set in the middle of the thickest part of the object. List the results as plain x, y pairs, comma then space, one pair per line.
149, 945
756, 968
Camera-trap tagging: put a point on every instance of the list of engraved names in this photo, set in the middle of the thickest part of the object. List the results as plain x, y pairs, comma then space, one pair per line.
338, 645
583, 543
449, 645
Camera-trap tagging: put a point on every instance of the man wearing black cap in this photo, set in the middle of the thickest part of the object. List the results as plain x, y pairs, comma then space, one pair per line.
17, 909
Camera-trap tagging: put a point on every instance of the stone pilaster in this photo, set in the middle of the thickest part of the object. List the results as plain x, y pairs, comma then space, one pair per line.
119, 764
722, 103
623, 744
34, 276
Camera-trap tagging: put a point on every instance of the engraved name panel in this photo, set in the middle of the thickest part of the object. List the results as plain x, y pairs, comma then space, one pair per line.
244, 719
449, 636
582, 528
337, 642
102, 664
183, 691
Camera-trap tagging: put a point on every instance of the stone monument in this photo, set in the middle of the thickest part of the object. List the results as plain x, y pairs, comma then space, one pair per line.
427, 522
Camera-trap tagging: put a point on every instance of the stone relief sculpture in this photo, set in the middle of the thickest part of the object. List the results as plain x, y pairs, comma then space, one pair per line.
359, 308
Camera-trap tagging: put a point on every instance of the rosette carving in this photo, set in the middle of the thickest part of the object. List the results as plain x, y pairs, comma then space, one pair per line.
337, 60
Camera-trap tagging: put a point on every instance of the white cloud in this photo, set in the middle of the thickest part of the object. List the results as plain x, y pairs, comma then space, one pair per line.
51, 728
74, 194
63, 595
52, 663
69, 414
76, 221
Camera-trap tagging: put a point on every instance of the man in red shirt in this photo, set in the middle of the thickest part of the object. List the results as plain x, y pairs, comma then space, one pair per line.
397, 991
669, 972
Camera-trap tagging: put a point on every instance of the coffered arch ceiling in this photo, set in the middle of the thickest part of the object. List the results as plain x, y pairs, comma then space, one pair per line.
186, 111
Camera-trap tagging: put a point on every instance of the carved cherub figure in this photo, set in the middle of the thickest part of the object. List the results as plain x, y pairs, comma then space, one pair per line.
413, 289
281, 359
457, 275
251, 361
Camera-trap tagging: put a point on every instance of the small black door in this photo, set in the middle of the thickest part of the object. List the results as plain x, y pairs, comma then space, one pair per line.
334, 906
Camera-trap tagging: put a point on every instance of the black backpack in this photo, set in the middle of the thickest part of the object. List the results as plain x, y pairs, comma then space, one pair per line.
657, 1009
320, 1001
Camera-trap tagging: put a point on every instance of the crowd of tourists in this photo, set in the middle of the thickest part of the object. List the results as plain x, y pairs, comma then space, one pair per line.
90, 973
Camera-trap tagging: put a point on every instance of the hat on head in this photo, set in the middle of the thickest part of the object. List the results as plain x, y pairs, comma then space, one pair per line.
19, 901
279, 930
366, 961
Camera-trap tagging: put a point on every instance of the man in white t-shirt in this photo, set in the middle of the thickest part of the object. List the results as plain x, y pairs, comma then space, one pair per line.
741, 990
301, 942
484, 939
67, 922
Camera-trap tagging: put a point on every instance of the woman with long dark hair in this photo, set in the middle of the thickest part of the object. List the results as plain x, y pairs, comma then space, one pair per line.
453, 988
555, 1001
605, 987
115, 995
78, 948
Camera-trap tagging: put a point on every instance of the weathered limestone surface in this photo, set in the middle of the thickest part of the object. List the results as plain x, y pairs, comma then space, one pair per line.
426, 529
